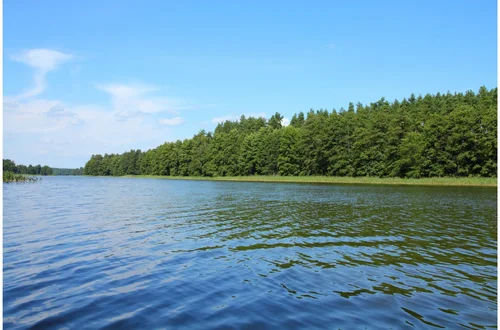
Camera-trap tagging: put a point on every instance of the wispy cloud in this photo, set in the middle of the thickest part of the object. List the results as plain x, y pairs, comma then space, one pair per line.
172, 121
129, 121
137, 115
285, 122
58, 111
43, 61
86, 128
129, 100
127, 91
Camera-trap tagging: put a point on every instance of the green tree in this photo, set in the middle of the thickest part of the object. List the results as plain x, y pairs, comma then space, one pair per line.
275, 120
289, 159
9, 166
422, 136
45, 170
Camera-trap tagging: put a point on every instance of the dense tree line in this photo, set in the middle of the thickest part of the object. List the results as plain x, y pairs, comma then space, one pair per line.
10, 166
430, 136
67, 171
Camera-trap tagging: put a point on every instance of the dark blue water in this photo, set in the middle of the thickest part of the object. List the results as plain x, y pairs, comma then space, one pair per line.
115, 253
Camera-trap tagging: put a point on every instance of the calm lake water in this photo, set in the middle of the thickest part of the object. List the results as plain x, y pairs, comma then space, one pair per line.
116, 253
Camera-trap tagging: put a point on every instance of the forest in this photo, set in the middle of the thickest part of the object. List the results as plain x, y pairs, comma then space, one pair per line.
67, 171
441, 135
10, 166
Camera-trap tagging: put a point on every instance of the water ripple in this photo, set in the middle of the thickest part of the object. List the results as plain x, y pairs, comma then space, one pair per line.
111, 253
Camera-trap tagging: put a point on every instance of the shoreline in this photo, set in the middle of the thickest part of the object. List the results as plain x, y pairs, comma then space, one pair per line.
447, 181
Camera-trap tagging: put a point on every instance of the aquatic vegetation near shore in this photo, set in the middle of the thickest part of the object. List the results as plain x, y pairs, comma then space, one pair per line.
446, 181
9, 176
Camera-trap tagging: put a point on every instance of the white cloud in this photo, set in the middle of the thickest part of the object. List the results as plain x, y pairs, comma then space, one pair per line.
126, 91
285, 122
43, 61
36, 116
134, 100
69, 132
172, 121
74, 132
63, 134
58, 111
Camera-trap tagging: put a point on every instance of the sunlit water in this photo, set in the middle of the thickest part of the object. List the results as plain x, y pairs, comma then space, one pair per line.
109, 253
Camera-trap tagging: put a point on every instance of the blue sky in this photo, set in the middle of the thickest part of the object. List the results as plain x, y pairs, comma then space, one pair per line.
84, 77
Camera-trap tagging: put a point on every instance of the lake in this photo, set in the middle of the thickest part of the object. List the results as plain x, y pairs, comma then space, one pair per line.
124, 253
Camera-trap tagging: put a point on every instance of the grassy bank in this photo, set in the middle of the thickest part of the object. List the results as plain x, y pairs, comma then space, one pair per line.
485, 182
13, 177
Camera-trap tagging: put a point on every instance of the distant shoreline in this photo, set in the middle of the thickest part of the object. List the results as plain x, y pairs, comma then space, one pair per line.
456, 182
